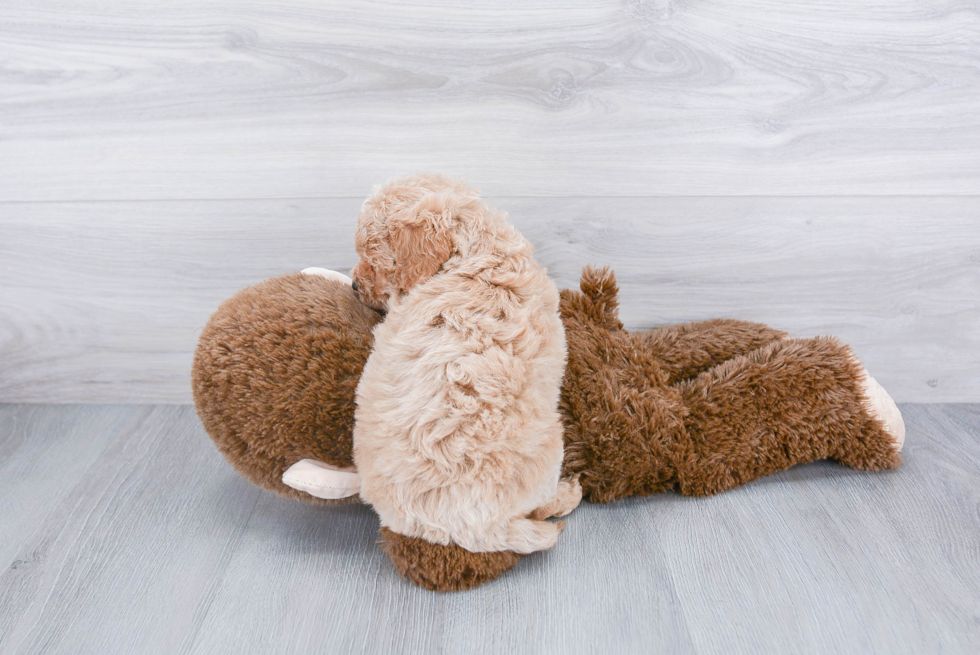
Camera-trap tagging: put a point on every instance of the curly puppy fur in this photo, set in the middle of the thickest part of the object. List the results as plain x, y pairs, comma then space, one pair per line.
274, 376
457, 436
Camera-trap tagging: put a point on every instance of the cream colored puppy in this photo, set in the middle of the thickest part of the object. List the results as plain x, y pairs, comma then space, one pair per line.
457, 436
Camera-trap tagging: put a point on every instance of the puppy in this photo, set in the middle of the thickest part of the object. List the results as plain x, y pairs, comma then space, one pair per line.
457, 437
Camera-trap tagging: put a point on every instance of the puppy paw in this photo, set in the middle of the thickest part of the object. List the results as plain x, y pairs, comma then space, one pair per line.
883, 408
572, 496
528, 536
568, 498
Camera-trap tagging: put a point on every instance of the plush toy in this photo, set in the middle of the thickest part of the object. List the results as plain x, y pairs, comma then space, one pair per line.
698, 408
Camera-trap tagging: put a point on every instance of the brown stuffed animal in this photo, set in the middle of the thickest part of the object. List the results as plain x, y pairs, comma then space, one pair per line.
700, 407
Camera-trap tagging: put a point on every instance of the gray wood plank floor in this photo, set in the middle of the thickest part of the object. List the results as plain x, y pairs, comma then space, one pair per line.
122, 530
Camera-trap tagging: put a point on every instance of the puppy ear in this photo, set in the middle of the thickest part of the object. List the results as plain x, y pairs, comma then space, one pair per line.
420, 240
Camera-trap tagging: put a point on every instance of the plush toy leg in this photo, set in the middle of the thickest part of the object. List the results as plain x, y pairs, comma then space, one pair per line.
790, 402
688, 350
322, 480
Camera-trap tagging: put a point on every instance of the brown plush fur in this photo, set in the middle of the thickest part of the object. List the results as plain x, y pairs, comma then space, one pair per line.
700, 408
274, 376
443, 568
745, 402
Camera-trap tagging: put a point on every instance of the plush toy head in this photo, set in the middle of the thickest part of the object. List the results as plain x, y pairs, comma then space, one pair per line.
274, 377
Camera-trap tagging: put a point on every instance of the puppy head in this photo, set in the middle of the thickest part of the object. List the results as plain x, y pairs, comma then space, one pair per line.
406, 231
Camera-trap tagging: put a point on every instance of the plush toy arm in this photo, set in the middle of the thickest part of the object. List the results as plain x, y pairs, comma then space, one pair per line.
685, 351
793, 401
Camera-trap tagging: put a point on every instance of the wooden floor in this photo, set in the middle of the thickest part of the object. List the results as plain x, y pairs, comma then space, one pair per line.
122, 530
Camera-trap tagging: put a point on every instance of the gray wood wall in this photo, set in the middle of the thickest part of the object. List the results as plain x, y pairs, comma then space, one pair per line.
815, 166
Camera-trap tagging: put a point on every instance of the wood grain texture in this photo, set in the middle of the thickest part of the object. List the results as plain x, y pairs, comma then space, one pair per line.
605, 588
104, 301
309, 579
300, 98
129, 559
44, 453
849, 559
160, 547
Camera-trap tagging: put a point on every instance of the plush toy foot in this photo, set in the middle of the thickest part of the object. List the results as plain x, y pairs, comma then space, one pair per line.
568, 498
443, 568
322, 480
327, 273
884, 409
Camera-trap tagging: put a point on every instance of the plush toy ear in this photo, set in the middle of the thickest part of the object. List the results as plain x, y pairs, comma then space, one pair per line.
599, 285
328, 274
420, 239
322, 480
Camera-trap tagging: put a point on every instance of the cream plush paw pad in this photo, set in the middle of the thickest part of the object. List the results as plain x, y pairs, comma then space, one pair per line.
322, 480
327, 273
884, 409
